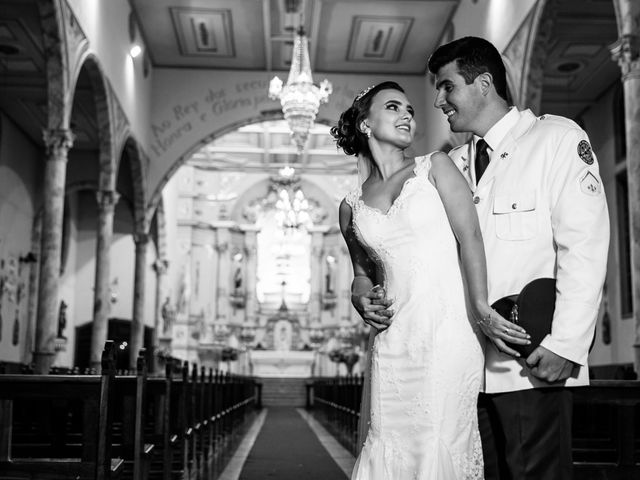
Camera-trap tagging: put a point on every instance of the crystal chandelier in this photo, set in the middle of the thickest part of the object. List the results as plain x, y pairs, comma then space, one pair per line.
300, 98
292, 207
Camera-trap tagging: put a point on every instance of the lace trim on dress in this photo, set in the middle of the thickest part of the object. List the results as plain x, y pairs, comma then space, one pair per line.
352, 198
423, 165
420, 170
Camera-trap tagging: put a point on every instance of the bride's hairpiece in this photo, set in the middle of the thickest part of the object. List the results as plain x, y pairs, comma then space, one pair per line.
363, 93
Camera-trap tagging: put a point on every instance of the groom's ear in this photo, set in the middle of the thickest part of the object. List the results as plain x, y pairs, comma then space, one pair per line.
485, 80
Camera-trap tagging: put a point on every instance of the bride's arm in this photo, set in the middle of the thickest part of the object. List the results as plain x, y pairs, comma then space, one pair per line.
367, 299
456, 198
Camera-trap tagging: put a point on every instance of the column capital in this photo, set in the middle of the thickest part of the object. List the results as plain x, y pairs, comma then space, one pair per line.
221, 247
250, 251
141, 239
626, 51
57, 142
160, 266
107, 199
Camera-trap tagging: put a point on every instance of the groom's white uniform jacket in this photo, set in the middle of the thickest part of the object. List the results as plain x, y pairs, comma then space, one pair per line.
543, 213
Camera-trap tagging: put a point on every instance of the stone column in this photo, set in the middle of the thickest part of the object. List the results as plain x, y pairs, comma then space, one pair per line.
160, 266
224, 263
251, 274
57, 143
315, 298
107, 200
137, 321
626, 51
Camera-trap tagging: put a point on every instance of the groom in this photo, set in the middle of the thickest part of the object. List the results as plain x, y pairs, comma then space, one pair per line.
543, 213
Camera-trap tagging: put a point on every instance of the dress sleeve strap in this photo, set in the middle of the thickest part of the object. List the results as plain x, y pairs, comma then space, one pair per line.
352, 198
423, 165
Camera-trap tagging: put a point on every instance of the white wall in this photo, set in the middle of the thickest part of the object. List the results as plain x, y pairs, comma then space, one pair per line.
105, 23
495, 20
20, 173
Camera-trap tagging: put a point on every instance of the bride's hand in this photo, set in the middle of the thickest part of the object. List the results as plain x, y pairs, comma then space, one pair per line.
501, 331
373, 307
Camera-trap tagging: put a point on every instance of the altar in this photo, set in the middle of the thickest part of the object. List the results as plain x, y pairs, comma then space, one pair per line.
273, 363
286, 352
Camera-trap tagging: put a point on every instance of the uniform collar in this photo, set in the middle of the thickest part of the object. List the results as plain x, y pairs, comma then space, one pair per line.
496, 134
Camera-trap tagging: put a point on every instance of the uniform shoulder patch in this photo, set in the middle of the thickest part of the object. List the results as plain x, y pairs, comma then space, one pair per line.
590, 185
585, 153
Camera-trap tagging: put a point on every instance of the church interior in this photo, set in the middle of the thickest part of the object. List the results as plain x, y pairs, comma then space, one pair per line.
169, 211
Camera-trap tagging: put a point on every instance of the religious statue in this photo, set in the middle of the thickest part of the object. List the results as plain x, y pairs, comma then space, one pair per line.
237, 281
184, 292
62, 319
328, 287
168, 316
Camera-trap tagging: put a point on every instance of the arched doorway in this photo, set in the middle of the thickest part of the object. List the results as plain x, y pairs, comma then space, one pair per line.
236, 245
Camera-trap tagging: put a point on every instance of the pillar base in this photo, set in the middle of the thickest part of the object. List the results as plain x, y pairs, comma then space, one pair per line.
43, 361
96, 366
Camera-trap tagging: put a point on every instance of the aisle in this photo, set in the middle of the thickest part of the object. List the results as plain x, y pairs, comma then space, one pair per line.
288, 447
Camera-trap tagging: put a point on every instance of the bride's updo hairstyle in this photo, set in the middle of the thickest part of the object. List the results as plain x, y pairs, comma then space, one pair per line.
347, 133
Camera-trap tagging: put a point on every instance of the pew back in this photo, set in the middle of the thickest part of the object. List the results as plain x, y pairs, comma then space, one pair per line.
29, 407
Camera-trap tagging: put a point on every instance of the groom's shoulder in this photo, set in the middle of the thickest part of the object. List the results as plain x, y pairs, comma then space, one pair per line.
556, 122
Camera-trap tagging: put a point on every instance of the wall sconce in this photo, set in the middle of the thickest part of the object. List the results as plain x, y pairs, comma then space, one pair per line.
135, 49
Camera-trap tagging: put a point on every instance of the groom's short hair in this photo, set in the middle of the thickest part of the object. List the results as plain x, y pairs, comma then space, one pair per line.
473, 56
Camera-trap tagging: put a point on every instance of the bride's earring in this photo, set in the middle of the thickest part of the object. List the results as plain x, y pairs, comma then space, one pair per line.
367, 132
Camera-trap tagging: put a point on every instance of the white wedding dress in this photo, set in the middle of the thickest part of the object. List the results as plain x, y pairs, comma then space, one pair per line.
427, 367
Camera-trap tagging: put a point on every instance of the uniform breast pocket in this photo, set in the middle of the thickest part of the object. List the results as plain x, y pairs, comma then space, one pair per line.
515, 215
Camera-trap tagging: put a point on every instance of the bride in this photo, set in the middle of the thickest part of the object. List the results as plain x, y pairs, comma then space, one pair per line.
412, 231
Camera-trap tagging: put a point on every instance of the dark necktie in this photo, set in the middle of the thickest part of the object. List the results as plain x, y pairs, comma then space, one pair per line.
482, 158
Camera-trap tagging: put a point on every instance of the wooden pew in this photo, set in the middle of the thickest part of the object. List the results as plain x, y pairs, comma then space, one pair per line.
169, 407
158, 418
86, 457
606, 437
130, 440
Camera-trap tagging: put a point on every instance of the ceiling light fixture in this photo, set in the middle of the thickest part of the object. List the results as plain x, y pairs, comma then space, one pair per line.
300, 98
292, 207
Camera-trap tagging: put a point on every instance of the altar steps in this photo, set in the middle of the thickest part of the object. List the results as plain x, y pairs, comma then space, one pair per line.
283, 392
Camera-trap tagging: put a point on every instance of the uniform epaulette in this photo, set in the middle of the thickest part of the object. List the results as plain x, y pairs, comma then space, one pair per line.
559, 120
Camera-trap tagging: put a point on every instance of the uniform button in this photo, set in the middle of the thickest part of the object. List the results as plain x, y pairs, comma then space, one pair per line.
476, 200
514, 205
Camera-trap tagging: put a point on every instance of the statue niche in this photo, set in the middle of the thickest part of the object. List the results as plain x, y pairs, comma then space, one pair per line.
283, 330
238, 297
